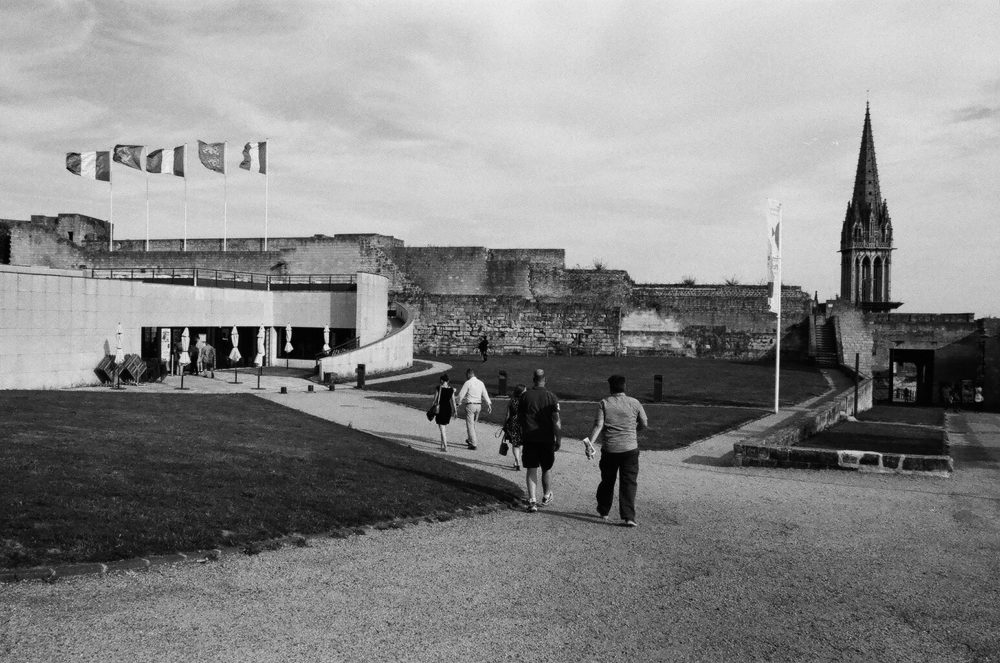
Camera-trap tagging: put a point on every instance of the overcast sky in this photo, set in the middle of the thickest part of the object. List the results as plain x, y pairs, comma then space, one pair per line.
645, 135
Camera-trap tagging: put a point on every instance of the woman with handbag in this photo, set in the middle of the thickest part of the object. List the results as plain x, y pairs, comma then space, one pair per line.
443, 409
512, 425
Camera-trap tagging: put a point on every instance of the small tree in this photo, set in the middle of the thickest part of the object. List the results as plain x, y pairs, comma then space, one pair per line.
688, 280
599, 265
732, 280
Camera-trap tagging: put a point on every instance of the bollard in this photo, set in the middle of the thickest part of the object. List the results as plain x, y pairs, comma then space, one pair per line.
309, 388
502, 384
657, 388
333, 386
361, 376
284, 390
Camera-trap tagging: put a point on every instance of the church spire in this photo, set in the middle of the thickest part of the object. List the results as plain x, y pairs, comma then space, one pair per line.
867, 195
866, 238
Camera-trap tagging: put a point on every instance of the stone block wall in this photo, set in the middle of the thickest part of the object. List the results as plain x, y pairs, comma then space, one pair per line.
451, 324
916, 331
46, 243
854, 339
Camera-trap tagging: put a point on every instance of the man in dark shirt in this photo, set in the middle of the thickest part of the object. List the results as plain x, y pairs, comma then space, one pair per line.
541, 430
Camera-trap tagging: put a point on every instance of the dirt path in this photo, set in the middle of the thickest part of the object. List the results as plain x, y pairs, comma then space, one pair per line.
727, 564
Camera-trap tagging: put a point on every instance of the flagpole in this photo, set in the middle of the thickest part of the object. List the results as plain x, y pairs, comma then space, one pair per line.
225, 198
185, 197
777, 334
147, 212
111, 210
266, 169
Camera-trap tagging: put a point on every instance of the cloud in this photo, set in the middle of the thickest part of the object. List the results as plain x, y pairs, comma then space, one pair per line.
973, 113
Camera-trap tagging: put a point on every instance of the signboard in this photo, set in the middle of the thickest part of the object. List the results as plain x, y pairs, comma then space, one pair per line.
165, 344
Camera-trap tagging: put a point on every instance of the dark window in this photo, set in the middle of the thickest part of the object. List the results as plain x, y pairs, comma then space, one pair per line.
4, 247
70, 235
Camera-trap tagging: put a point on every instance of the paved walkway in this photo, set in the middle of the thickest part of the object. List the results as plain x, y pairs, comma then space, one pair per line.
727, 564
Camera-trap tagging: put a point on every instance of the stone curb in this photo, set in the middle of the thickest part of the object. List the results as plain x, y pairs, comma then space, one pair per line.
53, 573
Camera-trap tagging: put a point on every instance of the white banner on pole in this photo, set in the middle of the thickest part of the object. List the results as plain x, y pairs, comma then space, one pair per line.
774, 269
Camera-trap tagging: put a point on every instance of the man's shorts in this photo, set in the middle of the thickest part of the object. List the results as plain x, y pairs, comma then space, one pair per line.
535, 453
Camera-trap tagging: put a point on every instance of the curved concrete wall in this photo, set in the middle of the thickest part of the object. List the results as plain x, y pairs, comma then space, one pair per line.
390, 353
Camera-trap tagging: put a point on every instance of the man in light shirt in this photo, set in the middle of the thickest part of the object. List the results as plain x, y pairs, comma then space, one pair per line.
473, 396
618, 418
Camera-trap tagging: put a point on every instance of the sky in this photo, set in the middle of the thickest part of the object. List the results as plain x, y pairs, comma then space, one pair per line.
644, 136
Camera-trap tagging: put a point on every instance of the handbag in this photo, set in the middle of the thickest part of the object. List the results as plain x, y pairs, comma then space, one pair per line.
432, 412
503, 448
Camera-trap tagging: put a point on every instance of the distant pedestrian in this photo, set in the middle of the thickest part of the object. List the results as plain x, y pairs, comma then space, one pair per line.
512, 425
484, 347
473, 396
541, 430
619, 418
978, 398
444, 402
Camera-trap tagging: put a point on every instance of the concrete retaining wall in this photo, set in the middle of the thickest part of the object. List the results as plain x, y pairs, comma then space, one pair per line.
390, 353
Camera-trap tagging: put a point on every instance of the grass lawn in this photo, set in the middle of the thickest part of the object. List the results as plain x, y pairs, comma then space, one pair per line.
879, 437
685, 381
100, 476
904, 414
671, 426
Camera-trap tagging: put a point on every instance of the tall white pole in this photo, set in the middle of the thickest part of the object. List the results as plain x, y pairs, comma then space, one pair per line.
147, 212
777, 335
111, 212
185, 197
225, 198
268, 143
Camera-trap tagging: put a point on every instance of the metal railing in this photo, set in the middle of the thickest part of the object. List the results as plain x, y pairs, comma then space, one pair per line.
225, 278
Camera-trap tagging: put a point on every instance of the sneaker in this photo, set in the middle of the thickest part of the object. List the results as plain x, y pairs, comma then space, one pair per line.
602, 516
547, 500
532, 507
470, 445
630, 523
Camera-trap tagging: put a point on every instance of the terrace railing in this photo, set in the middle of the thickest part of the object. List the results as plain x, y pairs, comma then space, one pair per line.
224, 278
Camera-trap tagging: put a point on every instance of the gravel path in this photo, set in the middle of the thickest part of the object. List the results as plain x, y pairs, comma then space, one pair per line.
727, 564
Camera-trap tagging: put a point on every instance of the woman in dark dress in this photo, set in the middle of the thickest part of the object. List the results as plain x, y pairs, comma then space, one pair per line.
444, 401
512, 425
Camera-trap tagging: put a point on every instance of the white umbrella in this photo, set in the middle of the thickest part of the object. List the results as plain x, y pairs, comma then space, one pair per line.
185, 358
259, 359
288, 339
234, 355
326, 338
119, 353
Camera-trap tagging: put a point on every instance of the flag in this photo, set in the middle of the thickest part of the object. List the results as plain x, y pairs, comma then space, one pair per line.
213, 156
166, 161
255, 152
95, 165
774, 254
129, 155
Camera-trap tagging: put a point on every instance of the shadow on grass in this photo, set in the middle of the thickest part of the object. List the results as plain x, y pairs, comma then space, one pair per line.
503, 494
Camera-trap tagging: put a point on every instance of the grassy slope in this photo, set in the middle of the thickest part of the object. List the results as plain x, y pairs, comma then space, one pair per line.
96, 476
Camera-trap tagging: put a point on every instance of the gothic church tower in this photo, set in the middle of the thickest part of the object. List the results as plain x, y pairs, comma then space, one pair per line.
866, 238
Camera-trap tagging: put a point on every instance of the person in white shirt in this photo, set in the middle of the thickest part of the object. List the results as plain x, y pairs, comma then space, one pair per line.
473, 396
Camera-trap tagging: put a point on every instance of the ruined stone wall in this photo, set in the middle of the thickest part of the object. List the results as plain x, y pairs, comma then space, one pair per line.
724, 321
39, 244
453, 324
916, 331
854, 340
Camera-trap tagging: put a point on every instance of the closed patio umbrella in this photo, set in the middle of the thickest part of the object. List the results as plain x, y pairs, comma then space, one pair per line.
119, 352
259, 359
288, 339
326, 338
185, 346
234, 354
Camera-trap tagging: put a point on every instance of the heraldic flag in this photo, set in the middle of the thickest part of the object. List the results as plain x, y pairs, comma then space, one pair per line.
166, 161
213, 156
255, 152
129, 155
94, 165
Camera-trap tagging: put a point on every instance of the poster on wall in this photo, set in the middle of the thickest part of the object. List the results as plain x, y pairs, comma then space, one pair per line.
165, 344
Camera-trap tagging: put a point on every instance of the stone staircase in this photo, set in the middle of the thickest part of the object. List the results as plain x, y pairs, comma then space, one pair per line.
826, 344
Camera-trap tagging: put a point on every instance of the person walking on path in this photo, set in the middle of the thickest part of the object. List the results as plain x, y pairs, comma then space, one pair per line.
473, 396
541, 431
444, 401
484, 347
512, 425
619, 418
